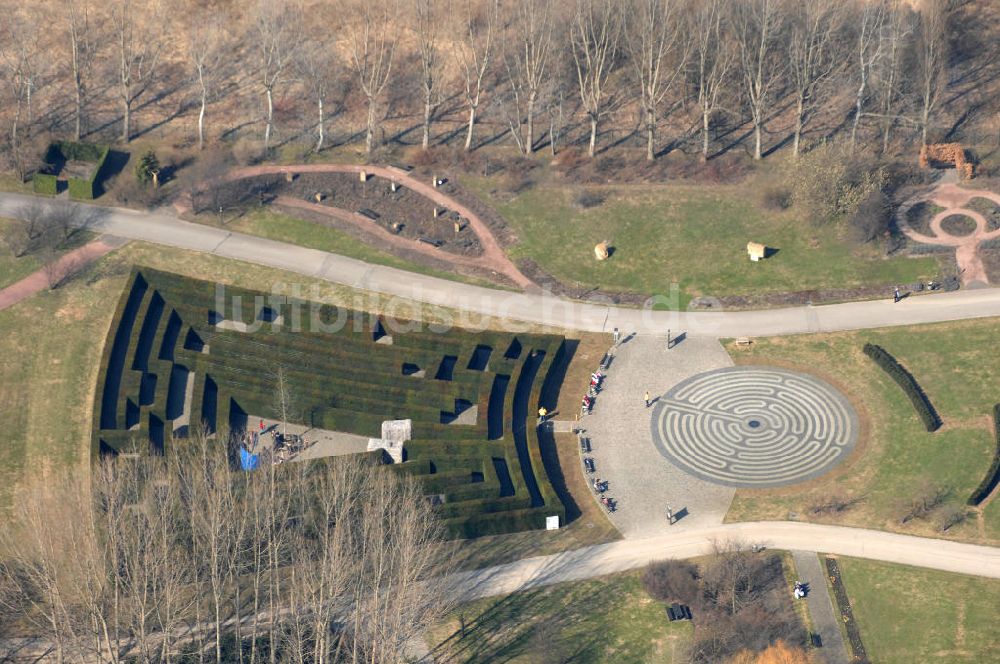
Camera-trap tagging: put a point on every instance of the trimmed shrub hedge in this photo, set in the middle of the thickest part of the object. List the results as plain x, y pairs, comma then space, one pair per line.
896, 371
43, 183
79, 188
992, 478
340, 380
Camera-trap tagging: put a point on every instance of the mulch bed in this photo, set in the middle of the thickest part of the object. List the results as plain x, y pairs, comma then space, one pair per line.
846, 614
410, 211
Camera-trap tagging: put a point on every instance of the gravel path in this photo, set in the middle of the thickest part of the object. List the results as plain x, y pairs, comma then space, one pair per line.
832, 649
641, 481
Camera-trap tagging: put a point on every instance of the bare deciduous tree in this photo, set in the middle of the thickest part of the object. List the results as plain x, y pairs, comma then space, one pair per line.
318, 65
373, 48
812, 56
713, 58
82, 51
888, 73
527, 64
139, 40
474, 49
276, 29
206, 48
868, 21
428, 19
757, 26
932, 56
594, 34
658, 49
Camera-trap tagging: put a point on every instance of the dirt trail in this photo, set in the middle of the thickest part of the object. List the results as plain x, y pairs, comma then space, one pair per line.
70, 262
952, 197
494, 258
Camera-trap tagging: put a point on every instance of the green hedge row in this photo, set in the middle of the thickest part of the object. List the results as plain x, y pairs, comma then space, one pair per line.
992, 478
905, 380
86, 189
42, 183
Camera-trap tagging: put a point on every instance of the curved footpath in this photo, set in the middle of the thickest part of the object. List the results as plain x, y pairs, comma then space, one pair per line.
541, 308
623, 555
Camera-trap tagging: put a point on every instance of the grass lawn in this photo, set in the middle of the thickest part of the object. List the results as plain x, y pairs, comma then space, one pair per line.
13, 269
275, 225
610, 619
909, 614
955, 364
695, 236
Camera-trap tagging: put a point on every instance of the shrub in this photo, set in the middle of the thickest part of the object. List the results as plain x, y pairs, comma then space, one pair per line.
872, 219
992, 478
247, 152
905, 380
829, 182
147, 165
846, 613
44, 184
776, 198
588, 198
672, 581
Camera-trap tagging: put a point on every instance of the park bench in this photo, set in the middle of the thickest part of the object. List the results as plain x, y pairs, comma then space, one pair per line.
371, 214
588, 463
431, 241
605, 361
584, 444
744, 341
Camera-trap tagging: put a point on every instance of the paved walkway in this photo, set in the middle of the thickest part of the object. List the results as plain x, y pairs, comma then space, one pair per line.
546, 309
68, 263
640, 479
953, 198
832, 649
623, 555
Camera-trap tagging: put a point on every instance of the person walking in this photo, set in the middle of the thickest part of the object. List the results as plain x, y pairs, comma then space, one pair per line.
895, 294
541, 415
646, 398
616, 336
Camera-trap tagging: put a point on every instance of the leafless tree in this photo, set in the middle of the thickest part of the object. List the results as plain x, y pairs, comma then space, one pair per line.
21, 59
474, 48
80, 29
318, 65
428, 21
813, 56
888, 75
139, 40
277, 31
757, 27
868, 22
713, 58
527, 63
594, 35
373, 48
206, 50
932, 57
658, 50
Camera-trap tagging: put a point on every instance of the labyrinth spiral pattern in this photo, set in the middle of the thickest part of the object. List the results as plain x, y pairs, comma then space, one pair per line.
754, 426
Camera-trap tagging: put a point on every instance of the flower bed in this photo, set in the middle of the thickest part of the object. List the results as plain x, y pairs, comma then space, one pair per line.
846, 614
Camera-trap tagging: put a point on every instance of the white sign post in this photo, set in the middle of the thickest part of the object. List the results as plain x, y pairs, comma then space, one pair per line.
552, 522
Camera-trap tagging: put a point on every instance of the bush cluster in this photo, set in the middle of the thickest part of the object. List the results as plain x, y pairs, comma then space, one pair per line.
830, 182
922, 404
846, 613
43, 183
992, 478
79, 188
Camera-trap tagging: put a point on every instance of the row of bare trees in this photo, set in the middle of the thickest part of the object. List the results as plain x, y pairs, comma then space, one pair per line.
696, 66
155, 558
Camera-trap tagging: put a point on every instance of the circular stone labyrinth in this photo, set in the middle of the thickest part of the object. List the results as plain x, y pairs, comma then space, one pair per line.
754, 426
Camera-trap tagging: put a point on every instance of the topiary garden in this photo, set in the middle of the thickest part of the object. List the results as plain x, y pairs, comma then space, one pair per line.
179, 356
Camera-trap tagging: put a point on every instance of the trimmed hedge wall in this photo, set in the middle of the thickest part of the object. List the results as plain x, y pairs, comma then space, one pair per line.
341, 380
992, 478
79, 188
43, 183
896, 371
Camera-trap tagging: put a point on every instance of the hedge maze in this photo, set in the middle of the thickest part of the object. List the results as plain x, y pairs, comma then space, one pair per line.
62, 152
178, 356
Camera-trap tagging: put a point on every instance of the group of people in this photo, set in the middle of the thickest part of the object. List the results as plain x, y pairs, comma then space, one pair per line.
800, 590
587, 404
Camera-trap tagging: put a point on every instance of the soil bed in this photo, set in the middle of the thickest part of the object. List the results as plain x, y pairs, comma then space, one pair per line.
919, 216
958, 225
402, 212
989, 210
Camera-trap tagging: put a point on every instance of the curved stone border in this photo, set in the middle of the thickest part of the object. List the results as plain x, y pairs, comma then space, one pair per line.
952, 197
752, 426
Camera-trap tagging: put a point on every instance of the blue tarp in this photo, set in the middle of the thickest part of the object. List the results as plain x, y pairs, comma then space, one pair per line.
248, 461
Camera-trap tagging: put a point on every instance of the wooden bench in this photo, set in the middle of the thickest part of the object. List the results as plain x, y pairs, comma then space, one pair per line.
588, 463
431, 241
744, 342
371, 214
